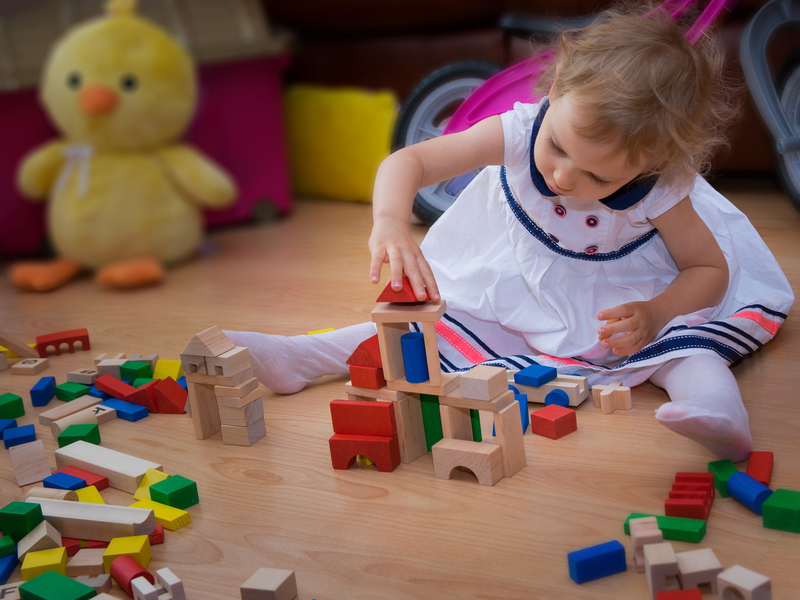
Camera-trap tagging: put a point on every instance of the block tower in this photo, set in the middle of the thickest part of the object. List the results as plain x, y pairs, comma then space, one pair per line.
223, 394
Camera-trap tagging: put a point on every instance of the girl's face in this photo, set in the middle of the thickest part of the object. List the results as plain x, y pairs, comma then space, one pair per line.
574, 166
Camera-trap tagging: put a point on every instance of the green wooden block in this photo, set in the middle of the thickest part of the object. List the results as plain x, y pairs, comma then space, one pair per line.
674, 528
141, 381
89, 432
55, 586
722, 470
175, 491
7, 546
475, 418
69, 391
133, 370
11, 406
782, 511
18, 519
431, 419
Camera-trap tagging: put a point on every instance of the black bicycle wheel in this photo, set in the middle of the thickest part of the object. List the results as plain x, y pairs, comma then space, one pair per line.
425, 114
788, 87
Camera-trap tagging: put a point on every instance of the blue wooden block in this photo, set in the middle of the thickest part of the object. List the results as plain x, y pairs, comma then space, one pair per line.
559, 397
43, 391
15, 436
522, 399
535, 375
126, 410
414, 357
182, 383
8, 563
748, 491
95, 393
6, 424
64, 481
596, 562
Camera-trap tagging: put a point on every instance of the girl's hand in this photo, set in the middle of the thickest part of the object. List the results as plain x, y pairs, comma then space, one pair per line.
392, 243
640, 322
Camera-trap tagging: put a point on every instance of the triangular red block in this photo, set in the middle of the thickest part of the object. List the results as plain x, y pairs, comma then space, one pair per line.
405, 294
171, 397
368, 354
140, 397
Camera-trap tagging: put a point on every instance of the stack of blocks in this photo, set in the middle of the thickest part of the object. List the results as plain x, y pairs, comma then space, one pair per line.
691, 496
223, 394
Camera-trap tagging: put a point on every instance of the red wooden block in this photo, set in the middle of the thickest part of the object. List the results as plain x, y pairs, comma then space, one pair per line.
72, 545
692, 594
98, 481
696, 478
368, 354
383, 451
157, 537
685, 486
759, 467
405, 295
370, 378
553, 421
171, 397
62, 337
683, 495
687, 508
96, 544
125, 569
113, 386
357, 417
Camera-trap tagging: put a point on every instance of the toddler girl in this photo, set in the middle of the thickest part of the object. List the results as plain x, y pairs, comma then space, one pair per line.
592, 245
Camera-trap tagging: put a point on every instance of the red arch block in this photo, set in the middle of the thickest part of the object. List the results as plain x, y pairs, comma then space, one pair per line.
383, 451
62, 337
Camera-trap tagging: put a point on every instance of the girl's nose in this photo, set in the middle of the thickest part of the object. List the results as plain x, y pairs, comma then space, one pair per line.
563, 179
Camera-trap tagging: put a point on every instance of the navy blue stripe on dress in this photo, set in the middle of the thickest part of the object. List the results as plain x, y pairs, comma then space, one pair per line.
705, 327
471, 334
542, 237
774, 313
665, 346
744, 334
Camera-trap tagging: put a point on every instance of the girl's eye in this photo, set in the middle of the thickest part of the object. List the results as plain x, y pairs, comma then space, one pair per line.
554, 147
599, 182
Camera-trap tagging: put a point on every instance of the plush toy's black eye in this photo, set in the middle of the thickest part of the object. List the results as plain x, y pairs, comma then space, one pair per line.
128, 83
74, 81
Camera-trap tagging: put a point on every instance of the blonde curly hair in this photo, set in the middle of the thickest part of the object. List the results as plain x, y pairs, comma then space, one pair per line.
646, 90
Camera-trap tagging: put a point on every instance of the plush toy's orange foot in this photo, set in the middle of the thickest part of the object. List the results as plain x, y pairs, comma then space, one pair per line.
44, 276
132, 273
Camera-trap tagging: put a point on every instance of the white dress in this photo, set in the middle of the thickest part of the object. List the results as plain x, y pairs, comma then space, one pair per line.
524, 273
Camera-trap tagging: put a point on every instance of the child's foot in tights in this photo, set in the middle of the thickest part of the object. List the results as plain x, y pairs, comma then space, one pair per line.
706, 405
287, 364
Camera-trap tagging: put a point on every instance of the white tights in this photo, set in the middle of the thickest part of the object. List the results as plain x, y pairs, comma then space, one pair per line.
706, 405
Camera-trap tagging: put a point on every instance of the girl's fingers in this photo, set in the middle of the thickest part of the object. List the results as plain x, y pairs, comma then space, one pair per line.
432, 289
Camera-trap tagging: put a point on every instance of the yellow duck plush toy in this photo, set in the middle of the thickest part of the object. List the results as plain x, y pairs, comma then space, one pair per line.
125, 195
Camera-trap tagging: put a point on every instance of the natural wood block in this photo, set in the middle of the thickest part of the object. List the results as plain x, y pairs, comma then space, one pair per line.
209, 342
43, 537
643, 531
496, 404
386, 312
29, 462
239, 395
576, 388
124, 472
242, 417
432, 353
193, 365
229, 363
3, 362
171, 584
611, 397
30, 366
84, 376
110, 366
214, 380
143, 589
205, 412
93, 415
449, 383
483, 382
381, 394
88, 561
234, 402
508, 430
741, 583
100, 583
17, 346
484, 460
151, 359
52, 493
660, 568
270, 584
244, 436
456, 422
698, 567
170, 517
389, 335
101, 522
410, 428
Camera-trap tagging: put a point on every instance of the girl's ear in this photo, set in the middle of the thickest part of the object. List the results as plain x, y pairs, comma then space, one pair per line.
553, 89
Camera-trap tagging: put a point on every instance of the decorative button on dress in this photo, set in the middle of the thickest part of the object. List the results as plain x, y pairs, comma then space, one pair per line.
525, 272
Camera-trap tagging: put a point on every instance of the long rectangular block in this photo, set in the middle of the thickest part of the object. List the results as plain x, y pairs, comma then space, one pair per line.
674, 528
596, 562
759, 467
101, 522
124, 472
363, 418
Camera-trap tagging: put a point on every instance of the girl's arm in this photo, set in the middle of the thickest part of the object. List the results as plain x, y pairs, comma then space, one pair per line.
401, 175
702, 282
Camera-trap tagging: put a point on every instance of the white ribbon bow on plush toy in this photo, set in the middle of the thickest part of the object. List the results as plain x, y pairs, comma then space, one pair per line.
79, 157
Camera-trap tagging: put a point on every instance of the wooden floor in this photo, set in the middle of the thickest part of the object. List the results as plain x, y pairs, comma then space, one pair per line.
360, 534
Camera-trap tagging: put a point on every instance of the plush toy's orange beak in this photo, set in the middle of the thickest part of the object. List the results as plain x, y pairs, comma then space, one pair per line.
98, 99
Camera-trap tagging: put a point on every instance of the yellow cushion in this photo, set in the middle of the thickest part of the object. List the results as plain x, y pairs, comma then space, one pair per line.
338, 138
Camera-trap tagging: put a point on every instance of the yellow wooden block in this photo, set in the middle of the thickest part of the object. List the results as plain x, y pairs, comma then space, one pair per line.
364, 460
90, 494
315, 332
135, 546
171, 518
150, 477
36, 563
168, 368
11, 353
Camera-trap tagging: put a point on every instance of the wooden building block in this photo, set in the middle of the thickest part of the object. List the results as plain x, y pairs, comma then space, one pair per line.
125, 569
8, 564
643, 531
209, 342
214, 380
176, 491
114, 386
410, 428
367, 354
694, 594
94, 415
660, 568
168, 368
535, 375
54, 414
43, 391
508, 428
29, 462
484, 460
759, 467
405, 295
171, 584
44, 342
782, 511
483, 382
43, 537
722, 470
124, 472
10, 591
100, 583
205, 413
102, 522
449, 383
144, 396
554, 421
88, 561
698, 568
89, 494
229, 363
738, 582
674, 528
110, 367
596, 562
142, 589
171, 518
3, 362
170, 397
42, 561
54, 494
150, 477
576, 388
237, 396
84, 376
55, 586
415, 360
456, 422
611, 397
748, 491
30, 366
150, 359
705, 479
125, 410
62, 481
688, 508
11, 406
367, 377
360, 393
20, 348
270, 584
70, 391
244, 436
19, 435
18, 519
193, 365
135, 546
383, 451
233, 402
101, 357
363, 418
